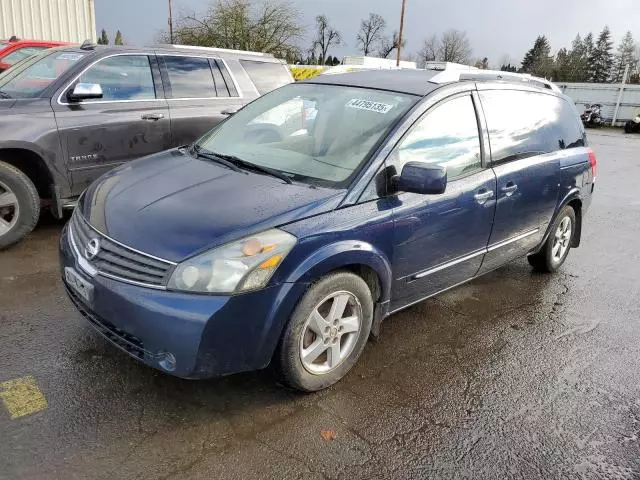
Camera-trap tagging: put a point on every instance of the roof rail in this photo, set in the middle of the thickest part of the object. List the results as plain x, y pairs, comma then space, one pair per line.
214, 49
456, 73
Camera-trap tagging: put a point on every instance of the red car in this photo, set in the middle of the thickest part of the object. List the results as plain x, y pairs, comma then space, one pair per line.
14, 50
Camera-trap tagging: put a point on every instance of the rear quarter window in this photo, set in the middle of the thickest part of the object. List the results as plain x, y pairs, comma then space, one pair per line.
266, 76
523, 124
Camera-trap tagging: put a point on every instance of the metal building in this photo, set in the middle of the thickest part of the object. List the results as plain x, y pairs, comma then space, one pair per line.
619, 102
63, 20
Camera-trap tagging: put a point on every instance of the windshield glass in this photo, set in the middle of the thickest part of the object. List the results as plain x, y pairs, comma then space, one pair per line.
319, 134
30, 78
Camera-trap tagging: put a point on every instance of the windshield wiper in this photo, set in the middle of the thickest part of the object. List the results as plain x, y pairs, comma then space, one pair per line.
200, 153
252, 166
4, 95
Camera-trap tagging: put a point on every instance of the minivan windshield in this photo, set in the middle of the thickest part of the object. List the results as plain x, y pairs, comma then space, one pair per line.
318, 134
30, 78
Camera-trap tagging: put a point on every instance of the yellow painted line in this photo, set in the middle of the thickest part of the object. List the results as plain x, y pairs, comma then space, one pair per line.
21, 396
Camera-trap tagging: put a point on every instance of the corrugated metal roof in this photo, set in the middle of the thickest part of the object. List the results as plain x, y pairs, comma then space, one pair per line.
64, 20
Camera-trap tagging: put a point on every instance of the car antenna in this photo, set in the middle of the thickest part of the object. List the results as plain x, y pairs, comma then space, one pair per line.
14, 39
87, 45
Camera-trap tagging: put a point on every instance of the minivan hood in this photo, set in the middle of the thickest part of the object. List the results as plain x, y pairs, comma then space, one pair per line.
172, 205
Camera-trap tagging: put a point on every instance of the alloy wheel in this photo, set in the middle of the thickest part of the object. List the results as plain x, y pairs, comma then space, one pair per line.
561, 240
9, 209
330, 333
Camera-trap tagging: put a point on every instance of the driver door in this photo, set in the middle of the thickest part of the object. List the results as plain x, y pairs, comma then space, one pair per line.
440, 240
130, 121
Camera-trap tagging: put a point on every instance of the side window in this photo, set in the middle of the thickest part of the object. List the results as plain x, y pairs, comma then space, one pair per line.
190, 77
570, 126
21, 53
447, 135
521, 124
123, 77
266, 76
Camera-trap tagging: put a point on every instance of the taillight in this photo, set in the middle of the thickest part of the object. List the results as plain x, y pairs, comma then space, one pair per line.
593, 162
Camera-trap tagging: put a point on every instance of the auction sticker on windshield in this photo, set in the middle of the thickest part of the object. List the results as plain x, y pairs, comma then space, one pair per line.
377, 107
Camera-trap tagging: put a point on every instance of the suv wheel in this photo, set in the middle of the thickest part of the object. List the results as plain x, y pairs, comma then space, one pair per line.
556, 248
19, 205
327, 332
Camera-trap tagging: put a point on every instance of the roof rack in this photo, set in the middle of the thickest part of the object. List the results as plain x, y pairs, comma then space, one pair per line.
452, 72
213, 49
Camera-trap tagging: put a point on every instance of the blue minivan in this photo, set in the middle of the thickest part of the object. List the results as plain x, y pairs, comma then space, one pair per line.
290, 231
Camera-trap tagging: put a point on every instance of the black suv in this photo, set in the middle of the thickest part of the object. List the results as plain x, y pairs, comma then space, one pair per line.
69, 114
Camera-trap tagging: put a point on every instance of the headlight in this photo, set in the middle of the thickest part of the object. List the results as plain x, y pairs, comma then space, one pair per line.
243, 265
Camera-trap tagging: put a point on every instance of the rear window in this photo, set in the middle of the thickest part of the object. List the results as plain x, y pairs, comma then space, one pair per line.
523, 124
266, 76
17, 55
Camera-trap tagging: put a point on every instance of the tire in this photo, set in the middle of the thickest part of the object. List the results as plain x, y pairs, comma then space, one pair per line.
301, 334
551, 256
19, 205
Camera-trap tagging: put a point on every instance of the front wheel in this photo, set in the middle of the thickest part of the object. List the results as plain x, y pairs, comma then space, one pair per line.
555, 250
326, 333
19, 205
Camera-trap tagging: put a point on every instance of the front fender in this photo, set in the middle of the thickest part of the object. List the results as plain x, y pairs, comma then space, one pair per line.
343, 254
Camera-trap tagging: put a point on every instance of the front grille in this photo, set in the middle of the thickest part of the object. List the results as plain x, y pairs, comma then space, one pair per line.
127, 342
117, 261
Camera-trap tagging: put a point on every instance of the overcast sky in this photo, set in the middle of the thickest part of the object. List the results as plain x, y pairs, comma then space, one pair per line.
494, 27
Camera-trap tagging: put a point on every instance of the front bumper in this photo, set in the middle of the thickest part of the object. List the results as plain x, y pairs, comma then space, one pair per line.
207, 335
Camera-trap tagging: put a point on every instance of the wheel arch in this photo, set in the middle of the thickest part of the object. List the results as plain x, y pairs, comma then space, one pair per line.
359, 257
574, 200
33, 166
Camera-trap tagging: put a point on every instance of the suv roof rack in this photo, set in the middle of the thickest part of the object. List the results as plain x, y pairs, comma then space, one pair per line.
453, 72
214, 49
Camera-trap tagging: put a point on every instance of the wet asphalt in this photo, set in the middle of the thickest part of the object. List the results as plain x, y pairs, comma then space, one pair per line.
514, 375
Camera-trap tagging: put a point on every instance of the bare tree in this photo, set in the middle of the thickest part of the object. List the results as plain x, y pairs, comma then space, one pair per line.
271, 26
455, 47
388, 45
452, 46
326, 37
429, 51
371, 32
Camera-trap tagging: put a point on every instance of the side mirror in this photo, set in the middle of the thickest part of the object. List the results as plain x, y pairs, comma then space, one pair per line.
422, 178
85, 91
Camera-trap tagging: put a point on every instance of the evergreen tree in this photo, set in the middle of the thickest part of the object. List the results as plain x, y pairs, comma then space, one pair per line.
589, 47
118, 40
562, 70
601, 60
508, 68
626, 56
578, 61
538, 61
104, 39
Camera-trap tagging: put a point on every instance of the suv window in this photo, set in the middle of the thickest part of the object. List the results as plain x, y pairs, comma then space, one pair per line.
570, 126
523, 124
447, 135
266, 76
190, 77
21, 53
123, 77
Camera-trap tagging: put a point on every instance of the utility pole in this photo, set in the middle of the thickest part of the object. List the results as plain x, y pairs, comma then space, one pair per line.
400, 33
170, 22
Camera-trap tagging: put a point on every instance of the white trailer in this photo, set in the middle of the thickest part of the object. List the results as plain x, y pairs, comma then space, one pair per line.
71, 21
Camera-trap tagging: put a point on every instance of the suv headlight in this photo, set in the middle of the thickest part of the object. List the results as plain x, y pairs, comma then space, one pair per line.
239, 266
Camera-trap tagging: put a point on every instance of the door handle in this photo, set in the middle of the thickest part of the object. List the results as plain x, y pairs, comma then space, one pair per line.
483, 195
509, 189
228, 112
152, 116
